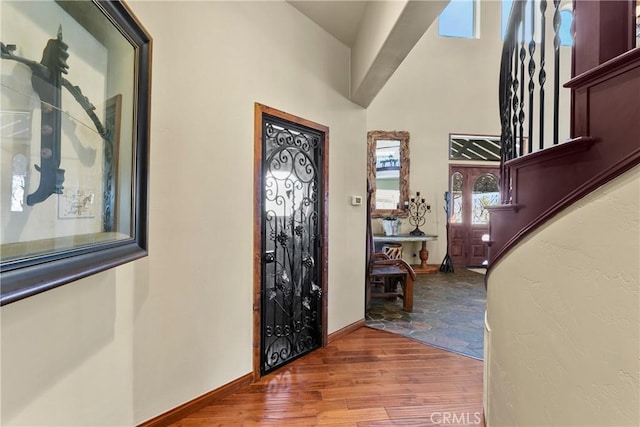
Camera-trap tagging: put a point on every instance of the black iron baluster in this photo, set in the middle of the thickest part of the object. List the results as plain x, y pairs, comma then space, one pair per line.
508, 133
556, 70
505, 99
507, 144
532, 69
512, 81
521, 114
542, 77
515, 102
511, 102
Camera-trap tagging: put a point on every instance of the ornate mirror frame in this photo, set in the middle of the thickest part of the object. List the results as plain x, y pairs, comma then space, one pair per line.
372, 139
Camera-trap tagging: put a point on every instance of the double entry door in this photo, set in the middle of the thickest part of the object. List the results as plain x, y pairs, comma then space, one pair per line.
472, 190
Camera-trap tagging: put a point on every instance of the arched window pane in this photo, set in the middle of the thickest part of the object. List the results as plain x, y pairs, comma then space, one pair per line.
456, 198
486, 192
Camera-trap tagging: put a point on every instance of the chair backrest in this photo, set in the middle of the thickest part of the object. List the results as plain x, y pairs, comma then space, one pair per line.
370, 246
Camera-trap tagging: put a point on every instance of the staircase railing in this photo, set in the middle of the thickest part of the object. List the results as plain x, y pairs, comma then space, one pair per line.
524, 82
539, 176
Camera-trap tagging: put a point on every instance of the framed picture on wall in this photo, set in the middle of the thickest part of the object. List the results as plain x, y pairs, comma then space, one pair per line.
75, 203
78, 73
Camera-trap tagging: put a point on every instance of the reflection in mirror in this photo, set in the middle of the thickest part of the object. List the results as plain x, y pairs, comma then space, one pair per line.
388, 172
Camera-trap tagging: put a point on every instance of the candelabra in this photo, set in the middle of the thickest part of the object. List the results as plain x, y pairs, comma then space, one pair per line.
417, 208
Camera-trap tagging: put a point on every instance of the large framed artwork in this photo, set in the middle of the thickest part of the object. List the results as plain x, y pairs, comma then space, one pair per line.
74, 137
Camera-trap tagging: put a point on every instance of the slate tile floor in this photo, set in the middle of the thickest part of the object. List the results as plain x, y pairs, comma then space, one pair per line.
448, 312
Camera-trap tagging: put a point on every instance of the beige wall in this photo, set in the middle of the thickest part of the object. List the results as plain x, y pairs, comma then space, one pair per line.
387, 32
123, 346
447, 85
563, 309
377, 22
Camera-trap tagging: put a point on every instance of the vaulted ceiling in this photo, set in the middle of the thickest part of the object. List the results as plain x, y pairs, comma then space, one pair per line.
380, 34
341, 19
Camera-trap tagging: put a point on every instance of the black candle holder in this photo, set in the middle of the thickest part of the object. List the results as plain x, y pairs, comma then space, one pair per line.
417, 208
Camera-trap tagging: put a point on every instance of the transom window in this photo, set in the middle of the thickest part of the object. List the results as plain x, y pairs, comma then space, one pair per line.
458, 19
470, 147
566, 18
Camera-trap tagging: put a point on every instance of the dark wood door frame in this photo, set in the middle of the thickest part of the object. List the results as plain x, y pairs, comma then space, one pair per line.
259, 111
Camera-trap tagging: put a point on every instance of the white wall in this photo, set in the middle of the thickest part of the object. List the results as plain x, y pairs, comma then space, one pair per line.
128, 344
446, 85
564, 314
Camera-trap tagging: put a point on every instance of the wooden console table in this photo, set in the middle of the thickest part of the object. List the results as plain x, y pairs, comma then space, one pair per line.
424, 253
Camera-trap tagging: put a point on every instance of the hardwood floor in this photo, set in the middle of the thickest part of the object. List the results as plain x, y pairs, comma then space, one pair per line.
366, 378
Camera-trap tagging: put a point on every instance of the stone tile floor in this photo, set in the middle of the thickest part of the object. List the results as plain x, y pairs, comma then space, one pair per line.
448, 312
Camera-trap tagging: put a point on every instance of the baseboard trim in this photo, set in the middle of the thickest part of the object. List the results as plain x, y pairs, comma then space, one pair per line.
346, 330
188, 408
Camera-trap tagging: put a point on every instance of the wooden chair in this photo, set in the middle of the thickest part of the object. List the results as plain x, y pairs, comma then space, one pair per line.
386, 273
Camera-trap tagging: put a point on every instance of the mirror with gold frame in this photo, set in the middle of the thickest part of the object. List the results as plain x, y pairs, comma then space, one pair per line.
388, 172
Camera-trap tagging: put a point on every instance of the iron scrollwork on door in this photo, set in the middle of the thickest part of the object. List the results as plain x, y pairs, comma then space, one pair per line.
291, 287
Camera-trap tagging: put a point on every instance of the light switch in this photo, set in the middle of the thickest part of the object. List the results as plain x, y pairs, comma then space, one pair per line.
356, 200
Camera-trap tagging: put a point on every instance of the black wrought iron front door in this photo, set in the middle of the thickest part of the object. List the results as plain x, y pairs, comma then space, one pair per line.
291, 223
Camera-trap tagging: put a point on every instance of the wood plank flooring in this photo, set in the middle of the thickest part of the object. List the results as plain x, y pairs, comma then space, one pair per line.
366, 378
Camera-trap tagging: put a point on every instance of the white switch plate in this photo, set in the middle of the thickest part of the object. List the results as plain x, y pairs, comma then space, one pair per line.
356, 200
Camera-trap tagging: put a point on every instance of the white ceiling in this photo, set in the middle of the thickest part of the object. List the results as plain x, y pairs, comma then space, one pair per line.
340, 18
